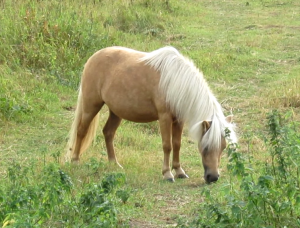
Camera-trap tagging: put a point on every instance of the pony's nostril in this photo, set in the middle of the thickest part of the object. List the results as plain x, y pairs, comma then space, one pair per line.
208, 178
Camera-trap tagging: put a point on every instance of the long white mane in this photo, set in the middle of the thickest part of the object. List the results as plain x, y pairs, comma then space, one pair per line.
189, 96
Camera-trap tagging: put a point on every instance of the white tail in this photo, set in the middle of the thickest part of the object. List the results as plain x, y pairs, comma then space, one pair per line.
90, 135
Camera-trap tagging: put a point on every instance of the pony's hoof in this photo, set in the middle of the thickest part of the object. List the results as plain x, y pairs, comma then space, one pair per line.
182, 176
171, 180
121, 167
115, 164
75, 160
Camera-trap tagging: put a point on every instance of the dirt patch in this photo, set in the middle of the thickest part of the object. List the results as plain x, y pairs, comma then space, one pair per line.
134, 223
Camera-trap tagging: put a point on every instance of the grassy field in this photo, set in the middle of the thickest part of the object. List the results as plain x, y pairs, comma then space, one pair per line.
249, 52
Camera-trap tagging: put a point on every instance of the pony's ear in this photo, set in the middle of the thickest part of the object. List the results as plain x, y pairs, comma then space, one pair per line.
229, 118
205, 126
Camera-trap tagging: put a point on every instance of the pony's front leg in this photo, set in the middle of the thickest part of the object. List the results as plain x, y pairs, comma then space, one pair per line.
177, 129
165, 123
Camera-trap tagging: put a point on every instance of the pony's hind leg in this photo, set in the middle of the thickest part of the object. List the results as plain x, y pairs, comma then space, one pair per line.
177, 129
84, 125
109, 131
84, 134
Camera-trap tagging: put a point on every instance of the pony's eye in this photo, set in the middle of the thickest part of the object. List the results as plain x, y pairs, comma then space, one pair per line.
205, 151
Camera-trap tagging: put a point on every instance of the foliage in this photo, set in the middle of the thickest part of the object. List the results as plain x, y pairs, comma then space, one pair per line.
268, 196
10, 108
29, 199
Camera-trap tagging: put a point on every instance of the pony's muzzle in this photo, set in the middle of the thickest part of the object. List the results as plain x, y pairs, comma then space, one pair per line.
209, 178
210, 175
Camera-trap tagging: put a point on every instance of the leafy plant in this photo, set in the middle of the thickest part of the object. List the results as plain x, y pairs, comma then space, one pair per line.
9, 108
268, 197
54, 199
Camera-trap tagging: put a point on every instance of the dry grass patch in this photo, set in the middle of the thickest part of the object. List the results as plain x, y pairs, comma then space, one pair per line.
283, 95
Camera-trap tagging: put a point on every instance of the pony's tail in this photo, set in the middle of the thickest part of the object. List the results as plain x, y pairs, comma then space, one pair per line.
90, 135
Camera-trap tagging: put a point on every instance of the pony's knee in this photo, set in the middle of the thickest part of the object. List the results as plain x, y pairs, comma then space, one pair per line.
167, 148
176, 145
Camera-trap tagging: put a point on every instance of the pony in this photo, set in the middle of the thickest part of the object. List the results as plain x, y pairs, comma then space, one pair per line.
142, 87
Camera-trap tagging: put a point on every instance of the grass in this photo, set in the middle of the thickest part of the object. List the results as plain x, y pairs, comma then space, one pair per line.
249, 54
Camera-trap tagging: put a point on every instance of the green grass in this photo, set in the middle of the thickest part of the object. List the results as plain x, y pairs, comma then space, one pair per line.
249, 54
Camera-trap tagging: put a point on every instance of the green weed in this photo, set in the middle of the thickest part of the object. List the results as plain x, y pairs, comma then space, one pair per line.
268, 196
9, 108
52, 200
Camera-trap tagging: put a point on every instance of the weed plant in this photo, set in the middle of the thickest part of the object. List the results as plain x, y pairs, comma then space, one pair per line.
55, 201
269, 195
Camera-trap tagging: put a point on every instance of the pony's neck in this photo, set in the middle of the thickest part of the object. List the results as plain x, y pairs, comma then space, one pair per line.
184, 86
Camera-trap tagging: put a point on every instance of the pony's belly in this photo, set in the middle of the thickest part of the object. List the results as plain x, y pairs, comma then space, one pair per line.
140, 115
141, 118
133, 102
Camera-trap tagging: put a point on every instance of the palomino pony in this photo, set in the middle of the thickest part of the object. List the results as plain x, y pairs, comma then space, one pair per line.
142, 87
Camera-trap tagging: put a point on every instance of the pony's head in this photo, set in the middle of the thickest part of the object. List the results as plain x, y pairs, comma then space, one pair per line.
211, 154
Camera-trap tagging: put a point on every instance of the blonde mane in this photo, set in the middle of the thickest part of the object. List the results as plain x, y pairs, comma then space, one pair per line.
189, 96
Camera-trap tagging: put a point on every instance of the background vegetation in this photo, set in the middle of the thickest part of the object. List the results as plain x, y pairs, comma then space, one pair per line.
249, 53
